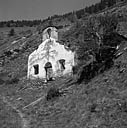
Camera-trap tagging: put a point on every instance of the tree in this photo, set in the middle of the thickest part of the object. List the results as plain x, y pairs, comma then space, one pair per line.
109, 23
11, 32
80, 13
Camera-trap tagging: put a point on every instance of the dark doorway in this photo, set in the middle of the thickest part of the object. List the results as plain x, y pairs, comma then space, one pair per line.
49, 71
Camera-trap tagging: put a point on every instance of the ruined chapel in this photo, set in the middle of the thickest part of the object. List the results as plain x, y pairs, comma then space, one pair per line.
51, 54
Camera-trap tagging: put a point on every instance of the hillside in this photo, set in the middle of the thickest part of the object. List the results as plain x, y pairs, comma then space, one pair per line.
99, 103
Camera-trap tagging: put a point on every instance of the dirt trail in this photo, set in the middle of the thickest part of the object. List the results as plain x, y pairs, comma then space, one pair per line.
25, 122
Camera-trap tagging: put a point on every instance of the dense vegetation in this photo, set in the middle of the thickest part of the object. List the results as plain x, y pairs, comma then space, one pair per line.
72, 16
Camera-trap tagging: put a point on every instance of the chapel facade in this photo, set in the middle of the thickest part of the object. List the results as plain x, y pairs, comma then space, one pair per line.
51, 59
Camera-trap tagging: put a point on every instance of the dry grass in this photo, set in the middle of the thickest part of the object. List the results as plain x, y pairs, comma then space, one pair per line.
9, 117
101, 103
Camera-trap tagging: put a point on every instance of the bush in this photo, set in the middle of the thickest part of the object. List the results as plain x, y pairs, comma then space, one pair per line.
52, 93
8, 53
11, 32
14, 80
16, 50
1, 81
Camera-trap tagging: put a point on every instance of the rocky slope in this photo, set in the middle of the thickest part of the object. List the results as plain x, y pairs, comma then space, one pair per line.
100, 103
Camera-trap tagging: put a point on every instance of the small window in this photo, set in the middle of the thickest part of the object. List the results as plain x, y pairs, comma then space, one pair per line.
36, 69
62, 63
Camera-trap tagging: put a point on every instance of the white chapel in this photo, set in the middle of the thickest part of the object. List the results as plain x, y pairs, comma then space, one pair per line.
52, 54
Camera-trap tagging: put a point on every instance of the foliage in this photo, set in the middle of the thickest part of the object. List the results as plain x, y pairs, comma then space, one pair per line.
8, 53
71, 16
109, 23
21, 23
11, 32
13, 80
100, 6
52, 93
113, 39
1, 81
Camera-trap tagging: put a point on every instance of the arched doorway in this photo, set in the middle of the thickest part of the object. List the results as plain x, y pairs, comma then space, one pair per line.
49, 71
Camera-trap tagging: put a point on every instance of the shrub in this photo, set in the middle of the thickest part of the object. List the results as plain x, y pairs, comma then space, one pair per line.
13, 80
16, 50
8, 53
11, 32
52, 93
1, 81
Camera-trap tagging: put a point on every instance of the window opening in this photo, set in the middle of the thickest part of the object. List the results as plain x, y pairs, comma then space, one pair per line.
49, 32
36, 69
62, 64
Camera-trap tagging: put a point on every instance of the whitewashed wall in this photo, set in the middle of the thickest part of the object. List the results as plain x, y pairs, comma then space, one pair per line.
54, 33
50, 51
